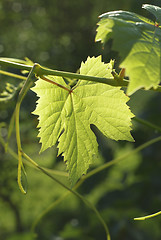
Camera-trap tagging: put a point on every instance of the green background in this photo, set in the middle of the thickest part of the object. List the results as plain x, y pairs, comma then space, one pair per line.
60, 34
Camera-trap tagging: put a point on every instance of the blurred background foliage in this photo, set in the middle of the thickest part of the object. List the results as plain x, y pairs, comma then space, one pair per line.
60, 34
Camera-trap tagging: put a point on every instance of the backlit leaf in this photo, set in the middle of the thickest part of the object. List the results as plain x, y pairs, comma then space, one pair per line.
65, 116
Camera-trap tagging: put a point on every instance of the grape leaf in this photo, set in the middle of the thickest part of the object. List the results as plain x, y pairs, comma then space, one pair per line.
156, 11
138, 41
65, 116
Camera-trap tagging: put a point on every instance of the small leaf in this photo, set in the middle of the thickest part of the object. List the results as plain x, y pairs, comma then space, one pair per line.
66, 116
138, 42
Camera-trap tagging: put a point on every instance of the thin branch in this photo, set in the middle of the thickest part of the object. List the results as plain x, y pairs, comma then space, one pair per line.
40, 71
21, 96
116, 160
148, 216
12, 75
148, 124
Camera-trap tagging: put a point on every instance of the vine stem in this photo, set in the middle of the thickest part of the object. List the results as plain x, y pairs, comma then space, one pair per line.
89, 204
40, 71
21, 96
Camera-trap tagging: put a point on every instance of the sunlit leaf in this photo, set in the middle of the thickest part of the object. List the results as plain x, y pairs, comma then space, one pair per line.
65, 116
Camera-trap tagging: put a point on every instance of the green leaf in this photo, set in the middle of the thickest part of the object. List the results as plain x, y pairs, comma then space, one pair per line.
156, 11
65, 116
138, 42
